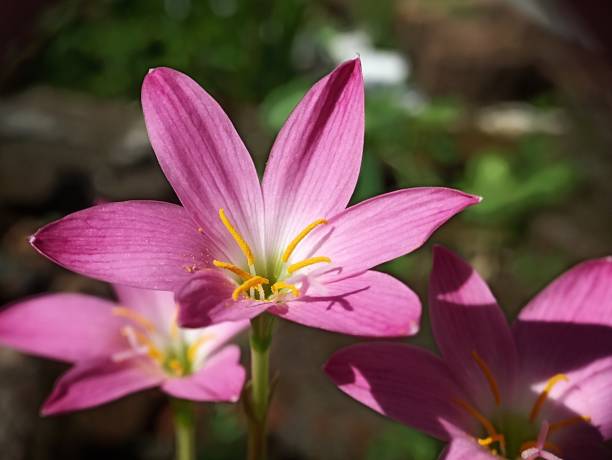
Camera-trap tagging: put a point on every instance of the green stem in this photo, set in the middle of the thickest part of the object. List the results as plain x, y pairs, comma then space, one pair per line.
261, 339
184, 426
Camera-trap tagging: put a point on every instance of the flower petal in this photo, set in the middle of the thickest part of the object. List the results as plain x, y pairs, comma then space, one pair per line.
207, 299
567, 328
157, 306
314, 163
581, 295
369, 304
384, 227
92, 383
203, 158
403, 382
146, 244
463, 448
220, 380
67, 327
465, 318
217, 334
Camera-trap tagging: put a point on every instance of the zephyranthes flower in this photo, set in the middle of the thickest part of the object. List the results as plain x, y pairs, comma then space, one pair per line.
122, 348
540, 389
238, 248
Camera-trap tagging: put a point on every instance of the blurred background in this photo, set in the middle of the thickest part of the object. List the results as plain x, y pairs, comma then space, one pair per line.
506, 99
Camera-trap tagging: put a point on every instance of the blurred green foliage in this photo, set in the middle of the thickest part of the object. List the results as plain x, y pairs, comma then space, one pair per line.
397, 442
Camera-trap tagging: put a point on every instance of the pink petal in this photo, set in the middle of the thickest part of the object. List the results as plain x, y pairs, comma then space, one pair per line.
203, 158
465, 318
139, 243
581, 295
403, 382
384, 227
207, 299
220, 380
369, 304
463, 448
92, 383
220, 334
567, 328
157, 306
315, 160
68, 327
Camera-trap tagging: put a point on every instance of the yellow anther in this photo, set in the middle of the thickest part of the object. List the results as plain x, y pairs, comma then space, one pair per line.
487, 425
135, 317
193, 349
176, 367
489, 376
281, 285
491, 439
537, 406
291, 247
248, 284
244, 247
305, 263
232, 268
568, 422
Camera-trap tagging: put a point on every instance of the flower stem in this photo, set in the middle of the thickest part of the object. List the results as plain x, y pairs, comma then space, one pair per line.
260, 340
184, 428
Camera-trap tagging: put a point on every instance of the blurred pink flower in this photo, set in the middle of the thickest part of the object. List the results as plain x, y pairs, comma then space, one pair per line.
540, 389
120, 349
238, 248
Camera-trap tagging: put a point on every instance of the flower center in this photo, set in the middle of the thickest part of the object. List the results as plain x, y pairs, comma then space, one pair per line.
518, 434
267, 288
170, 351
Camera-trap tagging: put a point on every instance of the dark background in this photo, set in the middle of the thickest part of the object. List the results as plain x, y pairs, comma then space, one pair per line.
501, 99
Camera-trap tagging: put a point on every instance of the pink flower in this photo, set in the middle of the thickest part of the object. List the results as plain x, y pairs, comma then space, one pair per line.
540, 389
238, 248
120, 349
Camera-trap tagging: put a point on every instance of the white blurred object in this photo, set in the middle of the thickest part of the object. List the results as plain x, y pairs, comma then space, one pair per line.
380, 67
513, 120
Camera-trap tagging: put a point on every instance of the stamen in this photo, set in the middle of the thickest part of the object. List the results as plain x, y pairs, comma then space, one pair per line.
305, 263
489, 376
244, 247
537, 406
487, 425
177, 367
232, 268
281, 285
568, 422
134, 316
154, 352
291, 247
193, 349
248, 284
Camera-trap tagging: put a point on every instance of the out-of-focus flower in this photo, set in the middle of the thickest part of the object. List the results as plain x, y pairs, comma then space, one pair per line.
288, 246
118, 349
541, 388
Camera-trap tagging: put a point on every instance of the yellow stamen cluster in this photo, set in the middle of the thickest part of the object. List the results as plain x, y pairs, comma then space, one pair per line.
492, 435
250, 280
178, 361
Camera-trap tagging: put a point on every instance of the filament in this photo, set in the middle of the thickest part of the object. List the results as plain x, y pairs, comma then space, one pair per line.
232, 268
537, 406
305, 263
291, 247
244, 247
493, 435
135, 317
248, 284
489, 376
281, 285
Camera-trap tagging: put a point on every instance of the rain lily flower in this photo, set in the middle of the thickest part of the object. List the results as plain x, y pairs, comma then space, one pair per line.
118, 349
237, 248
540, 389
